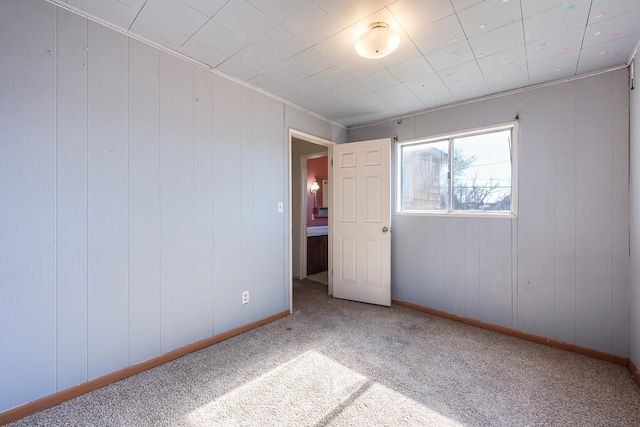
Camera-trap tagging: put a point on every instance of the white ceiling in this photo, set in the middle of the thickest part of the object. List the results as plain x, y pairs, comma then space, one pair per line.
450, 50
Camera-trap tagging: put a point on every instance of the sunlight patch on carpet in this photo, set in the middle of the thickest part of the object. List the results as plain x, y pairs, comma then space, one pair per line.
313, 389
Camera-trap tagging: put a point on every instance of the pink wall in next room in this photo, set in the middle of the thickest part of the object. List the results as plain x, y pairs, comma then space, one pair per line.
316, 168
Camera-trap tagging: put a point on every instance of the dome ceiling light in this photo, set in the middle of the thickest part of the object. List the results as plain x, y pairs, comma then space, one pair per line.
378, 42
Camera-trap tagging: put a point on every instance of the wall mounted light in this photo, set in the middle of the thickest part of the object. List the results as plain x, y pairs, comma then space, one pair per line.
378, 42
314, 187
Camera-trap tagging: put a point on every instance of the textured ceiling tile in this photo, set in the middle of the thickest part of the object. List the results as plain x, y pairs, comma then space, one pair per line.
352, 89
406, 51
407, 104
358, 67
611, 29
255, 58
207, 7
281, 43
438, 35
434, 98
237, 70
310, 62
554, 68
176, 15
394, 92
424, 83
495, 41
345, 12
135, 4
469, 89
284, 74
333, 77
244, 19
202, 53
411, 69
605, 55
309, 87
555, 45
279, 10
219, 38
553, 22
322, 99
265, 83
414, 14
111, 11
460, 73
534, 7
607, 9
508, 79
488, 16
379, 80
311, 24
158, 32
460, 5
503, 61
450, 56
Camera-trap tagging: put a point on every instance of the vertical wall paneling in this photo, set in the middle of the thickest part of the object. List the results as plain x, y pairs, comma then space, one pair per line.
620, 204
203, 202
176, 202
565, 213
536, 213
434, 291
144, 202
262, 210
495, 271
454, 266
27, 210
434, 123
560, 269
594, 216
405, 129
472, 267
71, 203
408, 256
108, 345
227, 250
278, 177
246, 274
268, 227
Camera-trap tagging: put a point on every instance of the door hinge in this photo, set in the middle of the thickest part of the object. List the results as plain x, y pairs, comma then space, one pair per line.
331, 162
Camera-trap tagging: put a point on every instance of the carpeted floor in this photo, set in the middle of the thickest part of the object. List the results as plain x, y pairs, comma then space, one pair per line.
341, 363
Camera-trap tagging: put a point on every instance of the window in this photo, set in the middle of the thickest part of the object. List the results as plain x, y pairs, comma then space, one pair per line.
467, 173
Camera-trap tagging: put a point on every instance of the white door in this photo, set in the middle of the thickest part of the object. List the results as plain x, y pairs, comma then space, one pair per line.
361, 221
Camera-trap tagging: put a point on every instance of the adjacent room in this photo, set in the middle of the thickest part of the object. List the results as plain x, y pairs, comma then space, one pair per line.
319, 212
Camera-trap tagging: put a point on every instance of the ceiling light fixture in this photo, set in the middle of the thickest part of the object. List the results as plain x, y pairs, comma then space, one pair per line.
378, 42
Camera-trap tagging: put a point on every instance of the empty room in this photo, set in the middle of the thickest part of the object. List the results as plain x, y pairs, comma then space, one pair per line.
475, 218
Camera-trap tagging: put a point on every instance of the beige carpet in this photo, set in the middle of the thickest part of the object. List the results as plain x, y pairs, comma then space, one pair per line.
322, 277
341, 363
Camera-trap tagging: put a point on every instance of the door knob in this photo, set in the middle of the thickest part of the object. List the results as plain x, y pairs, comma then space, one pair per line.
385, 229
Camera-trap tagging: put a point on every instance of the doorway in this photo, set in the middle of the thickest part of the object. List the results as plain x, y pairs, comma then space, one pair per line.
309, 213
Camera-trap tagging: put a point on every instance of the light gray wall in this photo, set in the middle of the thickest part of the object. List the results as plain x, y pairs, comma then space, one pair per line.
561, 269
635, 226
139, 197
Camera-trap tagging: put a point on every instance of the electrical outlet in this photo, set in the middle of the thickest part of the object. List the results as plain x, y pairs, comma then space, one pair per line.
245, 297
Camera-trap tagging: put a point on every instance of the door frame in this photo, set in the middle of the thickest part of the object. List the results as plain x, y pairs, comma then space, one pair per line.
293, 133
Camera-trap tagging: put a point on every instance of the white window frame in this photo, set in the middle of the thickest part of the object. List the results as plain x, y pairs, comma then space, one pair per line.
515, 137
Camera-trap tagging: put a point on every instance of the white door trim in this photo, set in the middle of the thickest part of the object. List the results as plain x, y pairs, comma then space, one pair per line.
293, 133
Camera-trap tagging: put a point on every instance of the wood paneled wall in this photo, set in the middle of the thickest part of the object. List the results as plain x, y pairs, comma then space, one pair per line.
138, 200
560, 270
